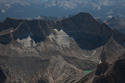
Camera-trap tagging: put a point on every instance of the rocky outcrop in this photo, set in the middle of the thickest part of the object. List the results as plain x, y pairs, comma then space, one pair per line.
111, 49
114, 74
2, 76
112, 58
107, 74
59, 71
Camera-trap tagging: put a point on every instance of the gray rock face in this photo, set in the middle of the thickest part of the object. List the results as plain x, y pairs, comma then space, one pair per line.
109, 70
44, 62
111, 51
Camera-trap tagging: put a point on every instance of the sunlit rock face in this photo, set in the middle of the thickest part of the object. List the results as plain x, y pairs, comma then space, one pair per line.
41, 63
28, 42
46, 61
61, 38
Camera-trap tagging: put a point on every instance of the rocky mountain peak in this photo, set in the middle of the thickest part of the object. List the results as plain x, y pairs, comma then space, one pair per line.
61, 38
27, 42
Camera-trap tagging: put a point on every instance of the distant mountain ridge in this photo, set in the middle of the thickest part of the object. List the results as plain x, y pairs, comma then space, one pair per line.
117, 23
56, 51
83, 28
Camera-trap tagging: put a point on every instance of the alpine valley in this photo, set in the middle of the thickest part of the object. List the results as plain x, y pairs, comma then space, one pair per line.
76, 49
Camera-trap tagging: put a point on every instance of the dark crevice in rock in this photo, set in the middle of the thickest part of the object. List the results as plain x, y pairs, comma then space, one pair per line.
102, 68
2, 76
42, 81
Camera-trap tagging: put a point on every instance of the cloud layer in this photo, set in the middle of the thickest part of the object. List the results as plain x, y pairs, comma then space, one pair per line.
67, 4
71, 4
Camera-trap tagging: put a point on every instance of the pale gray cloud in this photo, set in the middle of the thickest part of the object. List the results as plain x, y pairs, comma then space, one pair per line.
3, 11
8, 3
71, 4
66, 4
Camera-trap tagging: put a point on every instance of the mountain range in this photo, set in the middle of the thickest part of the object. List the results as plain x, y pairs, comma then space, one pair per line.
57, 51
85, 30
